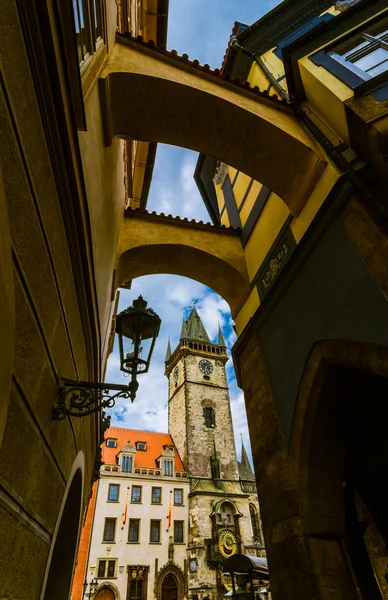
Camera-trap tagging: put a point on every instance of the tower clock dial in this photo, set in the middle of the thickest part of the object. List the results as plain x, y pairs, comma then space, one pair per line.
227, 543
205, 366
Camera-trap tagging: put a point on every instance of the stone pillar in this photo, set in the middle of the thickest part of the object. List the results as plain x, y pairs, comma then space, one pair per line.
302, 565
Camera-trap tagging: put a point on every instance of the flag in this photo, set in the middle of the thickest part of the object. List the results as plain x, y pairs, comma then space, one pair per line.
124, 518
169, 512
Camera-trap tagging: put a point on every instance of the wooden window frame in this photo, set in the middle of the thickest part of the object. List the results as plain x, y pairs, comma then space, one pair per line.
158, 541
111, 541
178, 503
180, 522
152, 495
140, 487
137, 541
116, 485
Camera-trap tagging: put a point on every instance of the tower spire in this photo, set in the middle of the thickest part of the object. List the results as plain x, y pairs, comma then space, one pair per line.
183, 330
244, 456
221, 341
168, 351
195, 329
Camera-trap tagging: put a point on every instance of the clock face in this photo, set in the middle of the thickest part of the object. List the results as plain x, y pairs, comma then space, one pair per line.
176, 373
193, 565
205, 366
227, 543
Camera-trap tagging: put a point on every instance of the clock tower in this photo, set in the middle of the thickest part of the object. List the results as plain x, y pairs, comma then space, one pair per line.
199, 409
222, 501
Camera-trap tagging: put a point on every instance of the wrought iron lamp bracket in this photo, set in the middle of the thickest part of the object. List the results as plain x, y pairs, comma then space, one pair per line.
82, 398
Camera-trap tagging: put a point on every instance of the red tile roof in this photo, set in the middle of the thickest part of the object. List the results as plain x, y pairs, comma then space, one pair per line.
155, 442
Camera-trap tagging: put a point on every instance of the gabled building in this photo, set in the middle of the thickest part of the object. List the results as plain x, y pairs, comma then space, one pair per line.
135, 547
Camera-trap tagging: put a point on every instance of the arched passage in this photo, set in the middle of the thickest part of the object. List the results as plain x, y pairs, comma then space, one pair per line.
170, 101
213, 256
59, 576
340, 450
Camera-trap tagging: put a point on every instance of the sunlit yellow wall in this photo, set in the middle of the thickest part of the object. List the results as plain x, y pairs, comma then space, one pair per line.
326, 94
325, 105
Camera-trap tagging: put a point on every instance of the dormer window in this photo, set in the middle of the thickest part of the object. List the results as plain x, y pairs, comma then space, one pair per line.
126, 463
111, 442
141, 446
168, 468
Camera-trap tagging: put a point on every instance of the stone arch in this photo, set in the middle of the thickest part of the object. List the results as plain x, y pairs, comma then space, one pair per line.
177, 104
339, 448
107, 591
170, 570
60, 565
187, 261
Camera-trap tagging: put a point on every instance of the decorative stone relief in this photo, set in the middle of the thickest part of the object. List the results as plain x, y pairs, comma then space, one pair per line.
221, 173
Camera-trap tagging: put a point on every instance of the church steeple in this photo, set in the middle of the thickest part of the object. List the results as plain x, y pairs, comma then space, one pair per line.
244, 456
194, 328
168, 351
183, 329
221, 341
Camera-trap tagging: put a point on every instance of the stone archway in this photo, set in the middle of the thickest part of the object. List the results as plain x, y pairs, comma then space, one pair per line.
340, 451
153, 244
106, 592
60, 565
170, 100
170, 583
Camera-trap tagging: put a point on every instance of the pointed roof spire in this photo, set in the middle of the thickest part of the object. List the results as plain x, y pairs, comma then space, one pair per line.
168, 351
244, 456
221, 341
195, 329
184, 329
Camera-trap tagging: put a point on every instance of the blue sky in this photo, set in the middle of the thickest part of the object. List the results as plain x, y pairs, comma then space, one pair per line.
200, 28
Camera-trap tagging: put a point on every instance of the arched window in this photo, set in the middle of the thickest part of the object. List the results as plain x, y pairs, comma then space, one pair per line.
255, 522
126, 463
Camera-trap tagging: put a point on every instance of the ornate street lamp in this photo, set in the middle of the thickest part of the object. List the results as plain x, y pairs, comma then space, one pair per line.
93, 585
138, 324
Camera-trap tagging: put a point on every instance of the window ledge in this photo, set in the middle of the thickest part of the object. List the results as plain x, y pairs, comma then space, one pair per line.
132, 542
155, 543
92, 69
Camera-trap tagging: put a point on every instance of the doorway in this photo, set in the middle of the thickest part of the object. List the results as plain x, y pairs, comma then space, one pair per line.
169, 588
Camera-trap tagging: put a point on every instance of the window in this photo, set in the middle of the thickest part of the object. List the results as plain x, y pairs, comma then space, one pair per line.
178, 532
111, 443
136, 493
156, 497
209, 415
109, 530
254, 522
106, 568
126, 464
113, 493
155, 531
365, 53
141, 446
178, 496
168, 468
358, 59
133, 532
88, 27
